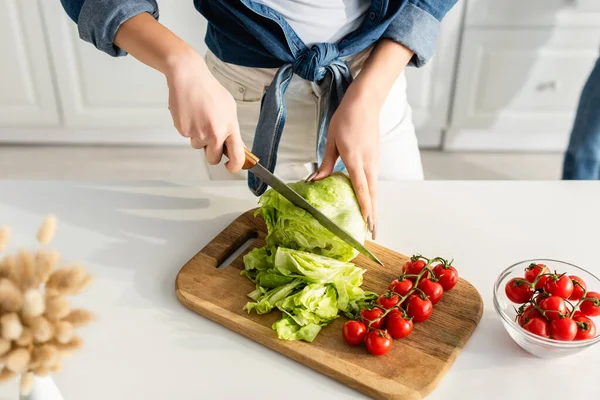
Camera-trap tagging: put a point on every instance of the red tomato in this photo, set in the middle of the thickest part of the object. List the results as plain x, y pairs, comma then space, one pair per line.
518, 290
586, 329
578, 314
374, 315
388, 300
447, 276
401, 286
533, 271
529, 313
559, 285
540, 297
563, 329
538, 326
397, 326
554, 307
578, 288
414, 267
378, 342
433, 290
591, 308
354, 332
418, 309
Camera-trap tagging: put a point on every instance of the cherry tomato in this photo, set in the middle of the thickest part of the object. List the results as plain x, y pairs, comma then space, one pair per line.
354, 332
559, 285
414, 267
529, 313
540, 297
388, 300
374, 315
447, 276
554, 307
378, 342
578, 314
401, 286
397, 325
433, 290
591, 308
518, 290
586, 329
418, 309
538, 326
578, 288
533, 271
563, 329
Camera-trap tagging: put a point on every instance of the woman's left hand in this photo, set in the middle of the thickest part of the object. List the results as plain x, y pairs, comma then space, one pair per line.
354, 136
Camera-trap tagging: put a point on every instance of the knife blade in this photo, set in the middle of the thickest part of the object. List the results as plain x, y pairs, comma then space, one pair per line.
251, 164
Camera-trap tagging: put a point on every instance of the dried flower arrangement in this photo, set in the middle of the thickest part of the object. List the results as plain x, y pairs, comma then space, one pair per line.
37, 325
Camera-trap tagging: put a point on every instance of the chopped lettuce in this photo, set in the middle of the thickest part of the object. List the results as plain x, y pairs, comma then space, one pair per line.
292, 227
315, 304
287, 329
267, 301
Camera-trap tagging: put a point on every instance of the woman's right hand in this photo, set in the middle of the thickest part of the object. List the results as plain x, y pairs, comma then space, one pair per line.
204, 111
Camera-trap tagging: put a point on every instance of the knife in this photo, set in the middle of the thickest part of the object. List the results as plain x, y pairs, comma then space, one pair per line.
251, 164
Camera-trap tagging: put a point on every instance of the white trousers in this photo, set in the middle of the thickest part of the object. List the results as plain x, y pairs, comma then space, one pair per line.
296, 157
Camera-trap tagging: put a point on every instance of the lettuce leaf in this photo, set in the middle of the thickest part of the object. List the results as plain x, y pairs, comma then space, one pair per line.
267, 301
287, 329
292, 227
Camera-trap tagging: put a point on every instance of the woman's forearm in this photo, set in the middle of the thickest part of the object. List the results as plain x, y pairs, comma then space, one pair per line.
381, 70
152, 43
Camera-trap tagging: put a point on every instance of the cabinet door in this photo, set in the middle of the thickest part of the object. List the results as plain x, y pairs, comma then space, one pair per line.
26, 90
519, 89
429, 88
99, 91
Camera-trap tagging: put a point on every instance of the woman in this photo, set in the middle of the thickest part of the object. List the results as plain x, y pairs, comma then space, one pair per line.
308, 54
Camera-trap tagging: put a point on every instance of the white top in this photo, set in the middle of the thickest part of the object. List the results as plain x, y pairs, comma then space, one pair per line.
321, 21
134, 237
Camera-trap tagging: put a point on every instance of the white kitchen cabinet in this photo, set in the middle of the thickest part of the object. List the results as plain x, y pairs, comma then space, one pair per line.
518, 89
430, 88
26, 91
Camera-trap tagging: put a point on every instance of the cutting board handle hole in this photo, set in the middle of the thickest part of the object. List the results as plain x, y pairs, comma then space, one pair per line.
238, 248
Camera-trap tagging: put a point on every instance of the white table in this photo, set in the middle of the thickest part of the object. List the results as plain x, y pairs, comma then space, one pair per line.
134, 237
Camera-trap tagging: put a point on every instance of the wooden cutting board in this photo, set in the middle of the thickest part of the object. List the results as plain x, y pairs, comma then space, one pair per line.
411, 370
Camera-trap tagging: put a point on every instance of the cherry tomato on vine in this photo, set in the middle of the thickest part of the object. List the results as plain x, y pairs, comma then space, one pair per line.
447, 276
401, 286
518, 290
378, 342
579, 288
586, 329
528, 314
559, 285
563, 329
418, 309
538, 326
591, 307
533, 271
397, 325
374, 314
433, 290
578, 314
554, 306
354, 332
388, 300
414, 267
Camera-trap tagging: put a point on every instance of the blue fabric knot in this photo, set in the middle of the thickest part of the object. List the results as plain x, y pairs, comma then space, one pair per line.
311, 64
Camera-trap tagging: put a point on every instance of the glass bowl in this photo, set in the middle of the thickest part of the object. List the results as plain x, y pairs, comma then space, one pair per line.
536, 345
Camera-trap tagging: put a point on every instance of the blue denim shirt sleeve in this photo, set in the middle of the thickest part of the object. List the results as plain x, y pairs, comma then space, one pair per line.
99, 20
417, 27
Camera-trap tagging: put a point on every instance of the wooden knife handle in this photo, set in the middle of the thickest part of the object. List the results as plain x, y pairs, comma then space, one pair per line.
250, 161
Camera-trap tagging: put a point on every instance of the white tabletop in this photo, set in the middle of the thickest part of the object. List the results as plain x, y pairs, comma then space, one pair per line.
135, 236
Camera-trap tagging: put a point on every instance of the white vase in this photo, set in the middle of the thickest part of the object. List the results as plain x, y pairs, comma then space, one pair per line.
44, 388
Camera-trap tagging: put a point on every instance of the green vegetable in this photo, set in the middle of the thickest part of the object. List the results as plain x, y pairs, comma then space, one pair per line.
292, 227
303, 270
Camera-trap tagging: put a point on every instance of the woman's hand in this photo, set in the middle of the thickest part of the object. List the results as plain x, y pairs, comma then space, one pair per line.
201, 108
204, 111
354, 136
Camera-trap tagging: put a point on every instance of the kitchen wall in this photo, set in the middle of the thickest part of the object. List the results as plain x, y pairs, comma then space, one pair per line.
507, 76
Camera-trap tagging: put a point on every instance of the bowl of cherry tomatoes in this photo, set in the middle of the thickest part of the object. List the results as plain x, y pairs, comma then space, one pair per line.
550, 308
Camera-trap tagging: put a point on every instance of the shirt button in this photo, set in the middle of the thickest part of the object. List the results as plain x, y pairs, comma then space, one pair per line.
372, 15
242, 90
344, 41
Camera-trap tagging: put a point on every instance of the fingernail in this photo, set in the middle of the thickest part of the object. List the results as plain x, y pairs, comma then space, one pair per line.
370, 224
311, 177
374, 232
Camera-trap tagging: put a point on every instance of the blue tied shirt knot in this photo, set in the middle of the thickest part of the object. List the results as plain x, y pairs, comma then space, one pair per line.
311, 64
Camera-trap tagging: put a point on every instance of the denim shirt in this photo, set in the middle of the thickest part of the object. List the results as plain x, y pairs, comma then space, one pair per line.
251, 34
